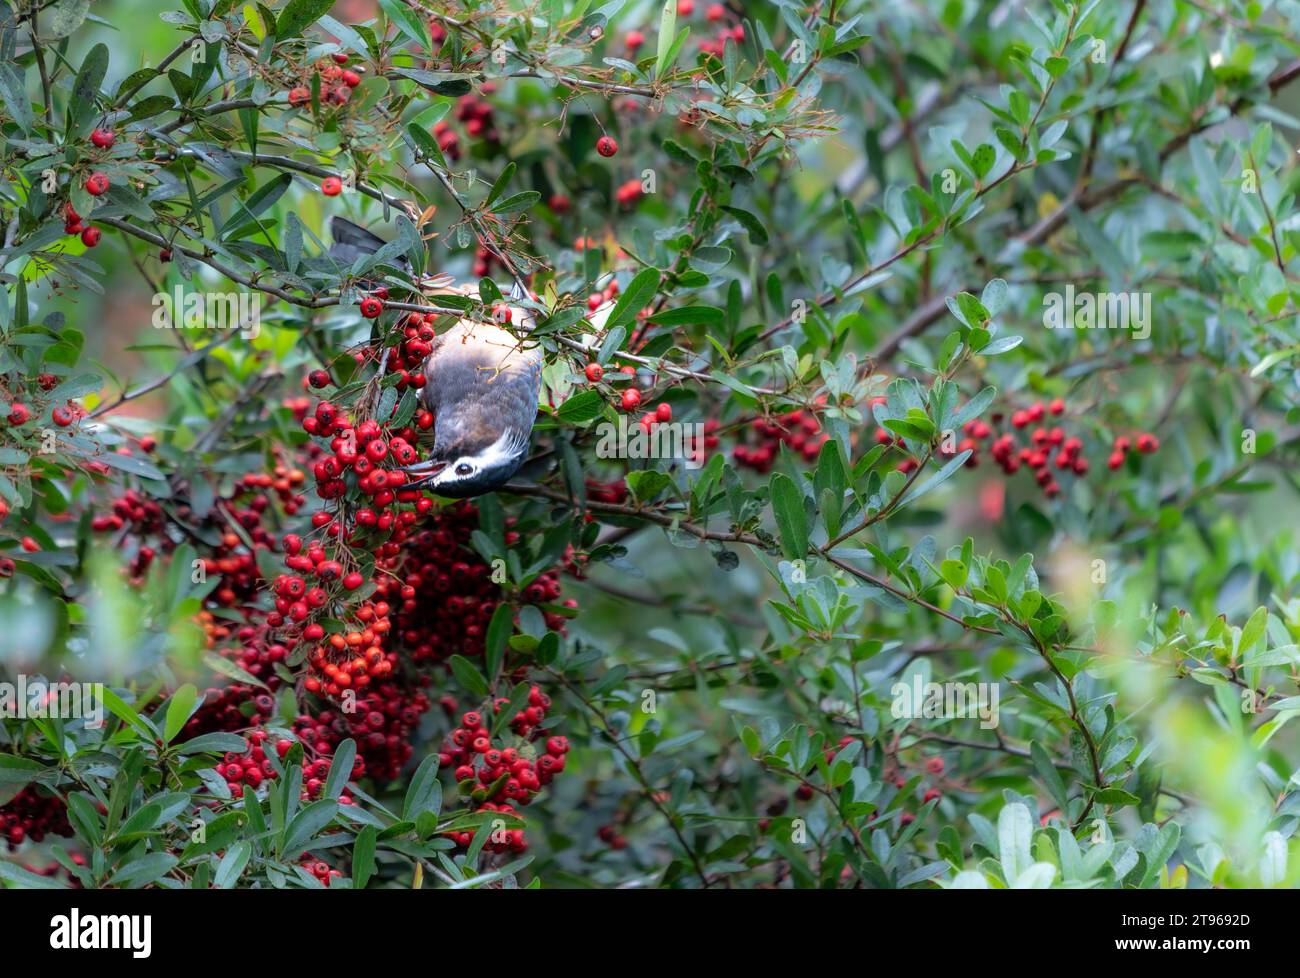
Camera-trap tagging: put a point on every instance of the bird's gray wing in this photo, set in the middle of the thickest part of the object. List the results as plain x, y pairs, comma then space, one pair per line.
352, 241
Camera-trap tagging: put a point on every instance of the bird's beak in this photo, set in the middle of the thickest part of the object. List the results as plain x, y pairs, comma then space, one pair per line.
424, 472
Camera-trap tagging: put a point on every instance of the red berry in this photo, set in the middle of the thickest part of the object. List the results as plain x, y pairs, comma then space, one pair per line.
606, 146
371, 307
634, 40
595, 372
664, 412
934, 765
90, 236
96, 184
351, 79
1147, 443
715, 12
685, 8
299, 96
631, 399
353, 581
165, 254
18, 414
319, 378
30, 545
103, 138
1057, 406
1116, 459
331, 186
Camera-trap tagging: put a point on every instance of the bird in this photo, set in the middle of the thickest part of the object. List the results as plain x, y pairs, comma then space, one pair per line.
481, 385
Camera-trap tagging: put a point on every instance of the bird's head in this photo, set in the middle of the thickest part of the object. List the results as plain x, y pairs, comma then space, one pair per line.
461, 470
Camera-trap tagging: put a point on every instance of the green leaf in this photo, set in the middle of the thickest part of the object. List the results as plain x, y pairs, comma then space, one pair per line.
954, 572
582, 408
145, 870
124, 711
179, 710
752, 225
363, 856
424, 794
412, 26
15, 770
1015, 829
1253, 630
468, 675
27, 880
638, 293
499, 631
688, 316
214, 743
232, 865
304, 826
84, 103
667, 33
647, 484
298, 15
1116, 796
791, 519
1050, 777
345, 754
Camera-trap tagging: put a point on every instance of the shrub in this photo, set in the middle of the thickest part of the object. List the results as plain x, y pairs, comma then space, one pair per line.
907, 503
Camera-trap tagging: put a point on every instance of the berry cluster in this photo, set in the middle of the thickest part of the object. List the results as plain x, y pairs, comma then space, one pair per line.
321, 870
72, 221
1146, 443
405, 359
362, 450
351, 660
142, 515
443, 592
336, 82
499, 777
1050, 450
476, 115
800, 430
716, 13
383, 720
607, 492
31, 815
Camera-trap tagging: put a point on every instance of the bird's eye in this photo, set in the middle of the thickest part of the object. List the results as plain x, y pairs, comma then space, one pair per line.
464, 469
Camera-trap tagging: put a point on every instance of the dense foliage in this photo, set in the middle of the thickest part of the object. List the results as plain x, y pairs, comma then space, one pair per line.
845, 244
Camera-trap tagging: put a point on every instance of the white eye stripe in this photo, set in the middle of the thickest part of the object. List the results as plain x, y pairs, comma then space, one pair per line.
503, 450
